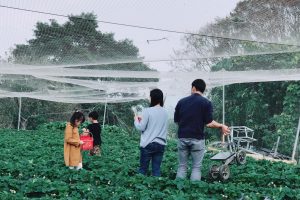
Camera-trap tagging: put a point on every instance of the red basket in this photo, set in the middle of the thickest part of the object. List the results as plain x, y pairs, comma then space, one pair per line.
88, 142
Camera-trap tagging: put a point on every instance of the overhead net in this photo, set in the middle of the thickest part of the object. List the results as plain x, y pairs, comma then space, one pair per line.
71, 59
52, 52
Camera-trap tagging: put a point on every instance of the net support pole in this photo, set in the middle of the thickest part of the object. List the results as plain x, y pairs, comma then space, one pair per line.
276, 148
104, 114
298, 154
223, 117
223, 102
296, 141
20, 109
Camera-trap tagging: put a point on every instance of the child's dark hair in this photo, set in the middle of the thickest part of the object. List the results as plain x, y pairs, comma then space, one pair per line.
199, 84
157, 97
94, 115
77, 115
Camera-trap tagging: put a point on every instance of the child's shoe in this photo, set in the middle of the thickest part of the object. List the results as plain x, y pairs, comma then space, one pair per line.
79, 166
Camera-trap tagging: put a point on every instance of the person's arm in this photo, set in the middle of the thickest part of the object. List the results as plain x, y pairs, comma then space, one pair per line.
85, 131
210, 123
68, 137
140, 123
214, 124
176, 113
89, 130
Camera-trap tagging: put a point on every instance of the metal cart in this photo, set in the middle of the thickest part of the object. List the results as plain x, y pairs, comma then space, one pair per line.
235, 154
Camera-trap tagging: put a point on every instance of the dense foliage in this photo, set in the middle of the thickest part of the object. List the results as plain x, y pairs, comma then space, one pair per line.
32, 166
271, 109
78, 40
75, 41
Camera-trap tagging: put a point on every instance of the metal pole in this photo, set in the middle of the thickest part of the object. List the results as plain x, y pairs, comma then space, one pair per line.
20, 108
298, 153
276, 148
223, 118
223, 112
104, 114
296, 141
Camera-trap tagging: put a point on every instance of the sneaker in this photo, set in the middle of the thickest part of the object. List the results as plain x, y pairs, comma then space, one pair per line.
79, 166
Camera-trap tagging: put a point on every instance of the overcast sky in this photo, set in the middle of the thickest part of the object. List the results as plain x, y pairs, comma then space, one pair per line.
181, 15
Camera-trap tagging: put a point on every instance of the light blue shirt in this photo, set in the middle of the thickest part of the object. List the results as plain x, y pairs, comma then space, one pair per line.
153, 126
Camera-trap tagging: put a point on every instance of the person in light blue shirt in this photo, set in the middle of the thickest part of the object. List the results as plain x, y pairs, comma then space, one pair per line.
153, 125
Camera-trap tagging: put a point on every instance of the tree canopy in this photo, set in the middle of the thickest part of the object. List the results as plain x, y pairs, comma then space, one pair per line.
78, 40
271, 109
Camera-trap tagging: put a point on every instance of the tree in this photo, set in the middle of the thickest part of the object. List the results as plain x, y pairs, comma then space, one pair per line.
268, 20
261, 106
77, 41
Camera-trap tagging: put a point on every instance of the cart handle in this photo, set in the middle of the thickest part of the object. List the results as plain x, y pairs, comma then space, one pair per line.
229, 143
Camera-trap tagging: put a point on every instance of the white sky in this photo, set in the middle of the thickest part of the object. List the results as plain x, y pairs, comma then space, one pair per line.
181, 15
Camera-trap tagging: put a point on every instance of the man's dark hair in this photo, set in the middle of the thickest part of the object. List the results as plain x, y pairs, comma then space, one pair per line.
77, 115
199, 84
94, 115
157, 97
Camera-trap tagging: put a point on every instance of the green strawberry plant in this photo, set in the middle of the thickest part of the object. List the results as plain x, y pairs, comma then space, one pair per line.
32, 166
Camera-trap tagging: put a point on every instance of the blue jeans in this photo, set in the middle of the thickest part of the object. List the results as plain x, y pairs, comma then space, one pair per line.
152, 152
195, 148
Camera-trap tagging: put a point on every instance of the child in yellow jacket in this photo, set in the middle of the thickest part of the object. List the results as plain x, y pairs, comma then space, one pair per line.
72, 142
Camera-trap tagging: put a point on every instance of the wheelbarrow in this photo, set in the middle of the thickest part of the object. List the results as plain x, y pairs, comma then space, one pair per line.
234, 154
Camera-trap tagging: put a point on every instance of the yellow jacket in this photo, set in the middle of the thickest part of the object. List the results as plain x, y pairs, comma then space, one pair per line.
72, 154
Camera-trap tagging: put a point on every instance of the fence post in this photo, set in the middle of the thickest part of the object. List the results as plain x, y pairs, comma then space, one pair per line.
104, 114
296, 141
20, 108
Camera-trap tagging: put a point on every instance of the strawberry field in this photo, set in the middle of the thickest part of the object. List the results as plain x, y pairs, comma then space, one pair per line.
32, 166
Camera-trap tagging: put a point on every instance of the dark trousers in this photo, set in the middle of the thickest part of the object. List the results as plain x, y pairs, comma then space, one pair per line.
152, 152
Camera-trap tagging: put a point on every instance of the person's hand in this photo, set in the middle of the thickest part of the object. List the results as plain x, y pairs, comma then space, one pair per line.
137, 118
225, 129
86, 133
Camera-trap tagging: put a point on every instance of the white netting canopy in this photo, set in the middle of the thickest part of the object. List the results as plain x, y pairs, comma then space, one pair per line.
87, 52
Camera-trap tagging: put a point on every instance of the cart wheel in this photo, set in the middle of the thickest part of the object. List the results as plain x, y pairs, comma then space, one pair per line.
214, 171
224, 172
241, 157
